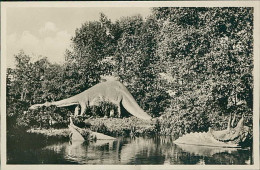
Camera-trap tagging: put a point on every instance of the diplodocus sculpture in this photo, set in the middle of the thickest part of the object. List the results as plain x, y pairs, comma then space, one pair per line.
112, 91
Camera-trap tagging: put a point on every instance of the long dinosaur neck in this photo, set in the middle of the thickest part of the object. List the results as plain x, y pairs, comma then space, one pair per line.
66, 102
74, 100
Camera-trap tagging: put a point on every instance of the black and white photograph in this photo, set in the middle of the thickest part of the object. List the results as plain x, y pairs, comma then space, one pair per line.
140, 84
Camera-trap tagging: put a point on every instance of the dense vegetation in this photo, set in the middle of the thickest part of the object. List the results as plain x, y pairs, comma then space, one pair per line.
191, 67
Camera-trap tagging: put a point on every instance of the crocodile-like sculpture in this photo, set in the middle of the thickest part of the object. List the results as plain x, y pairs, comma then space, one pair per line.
112, 91
77, 134
230, 137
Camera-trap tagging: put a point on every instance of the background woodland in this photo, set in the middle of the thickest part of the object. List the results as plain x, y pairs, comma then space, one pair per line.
191, 67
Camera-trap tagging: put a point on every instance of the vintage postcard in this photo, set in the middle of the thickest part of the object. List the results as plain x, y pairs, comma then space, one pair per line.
134, 85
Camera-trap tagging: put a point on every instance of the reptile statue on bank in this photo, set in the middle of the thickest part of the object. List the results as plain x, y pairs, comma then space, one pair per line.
117, 93
112, 91
79, 134
232, 137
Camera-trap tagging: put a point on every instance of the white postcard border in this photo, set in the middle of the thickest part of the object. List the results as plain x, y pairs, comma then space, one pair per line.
255, 4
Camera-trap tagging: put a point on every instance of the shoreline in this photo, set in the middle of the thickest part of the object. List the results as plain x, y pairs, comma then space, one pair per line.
108, 126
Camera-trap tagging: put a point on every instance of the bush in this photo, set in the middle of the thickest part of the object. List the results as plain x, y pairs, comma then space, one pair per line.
182, 122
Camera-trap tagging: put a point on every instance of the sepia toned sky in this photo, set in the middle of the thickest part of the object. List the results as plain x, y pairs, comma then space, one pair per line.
47, 31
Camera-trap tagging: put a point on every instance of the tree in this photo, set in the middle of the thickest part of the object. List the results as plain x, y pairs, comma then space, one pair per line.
191, 66
203, 57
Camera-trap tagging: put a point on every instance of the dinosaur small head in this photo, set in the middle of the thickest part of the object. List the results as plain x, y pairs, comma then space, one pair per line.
35, 106
47, 104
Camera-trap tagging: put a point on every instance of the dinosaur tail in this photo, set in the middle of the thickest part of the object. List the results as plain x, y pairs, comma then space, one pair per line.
132, 107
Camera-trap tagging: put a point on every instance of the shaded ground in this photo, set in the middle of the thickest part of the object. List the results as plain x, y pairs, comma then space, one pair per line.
109, 126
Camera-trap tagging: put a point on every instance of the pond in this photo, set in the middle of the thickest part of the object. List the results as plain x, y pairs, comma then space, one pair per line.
158, 150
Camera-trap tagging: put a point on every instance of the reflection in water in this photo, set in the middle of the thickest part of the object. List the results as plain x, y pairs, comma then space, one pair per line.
144, 150
139, 150
86, 153
204, 150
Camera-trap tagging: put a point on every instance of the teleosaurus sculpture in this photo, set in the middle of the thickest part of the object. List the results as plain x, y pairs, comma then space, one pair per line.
112, 91
230, 137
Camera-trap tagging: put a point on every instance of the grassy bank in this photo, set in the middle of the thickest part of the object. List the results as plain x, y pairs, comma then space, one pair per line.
61, 133
110, 126
122, 127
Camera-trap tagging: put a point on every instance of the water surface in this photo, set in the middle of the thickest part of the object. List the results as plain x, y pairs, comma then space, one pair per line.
124, 150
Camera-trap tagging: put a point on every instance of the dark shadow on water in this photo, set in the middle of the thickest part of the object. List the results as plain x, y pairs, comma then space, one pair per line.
33, 149
217, 155
28, 149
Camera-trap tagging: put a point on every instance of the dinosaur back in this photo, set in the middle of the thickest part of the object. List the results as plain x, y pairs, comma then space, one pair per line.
115, 92
202, 139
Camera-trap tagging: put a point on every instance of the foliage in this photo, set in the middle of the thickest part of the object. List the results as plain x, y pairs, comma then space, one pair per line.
191, 67
201, 50
121, 127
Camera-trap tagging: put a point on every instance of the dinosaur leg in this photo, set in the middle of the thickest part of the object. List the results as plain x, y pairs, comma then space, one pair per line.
119, 110
111, 113
83, 109
76, 112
